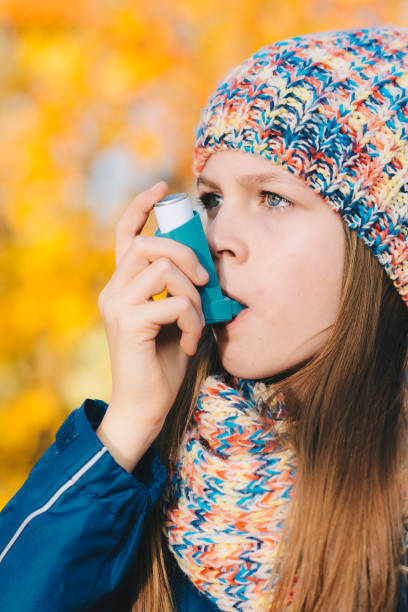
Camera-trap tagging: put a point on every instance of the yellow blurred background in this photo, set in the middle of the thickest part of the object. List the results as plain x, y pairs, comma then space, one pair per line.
99, 99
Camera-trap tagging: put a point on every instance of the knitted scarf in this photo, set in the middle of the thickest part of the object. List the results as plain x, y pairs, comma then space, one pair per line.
228, 494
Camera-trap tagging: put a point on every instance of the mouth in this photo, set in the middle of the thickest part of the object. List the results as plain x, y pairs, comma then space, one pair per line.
228, 323
232, 322
233, 297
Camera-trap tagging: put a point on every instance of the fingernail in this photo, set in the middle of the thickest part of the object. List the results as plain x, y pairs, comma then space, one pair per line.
202, 272
154, 186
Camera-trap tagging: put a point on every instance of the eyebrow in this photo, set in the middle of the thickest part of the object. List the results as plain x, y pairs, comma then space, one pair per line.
246, 179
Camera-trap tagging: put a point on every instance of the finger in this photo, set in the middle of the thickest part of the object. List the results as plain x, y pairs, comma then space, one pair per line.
135, 216
156, 278
147, 249
177, 309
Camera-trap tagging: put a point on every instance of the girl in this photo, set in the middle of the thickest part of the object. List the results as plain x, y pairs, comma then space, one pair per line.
259, 464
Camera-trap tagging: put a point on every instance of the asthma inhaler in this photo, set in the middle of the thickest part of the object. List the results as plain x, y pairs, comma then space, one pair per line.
177, 220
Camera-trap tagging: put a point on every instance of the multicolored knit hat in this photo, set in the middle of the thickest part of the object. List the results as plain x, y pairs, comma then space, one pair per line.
332, 108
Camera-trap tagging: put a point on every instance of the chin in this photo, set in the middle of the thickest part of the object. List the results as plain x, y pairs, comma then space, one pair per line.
238, 367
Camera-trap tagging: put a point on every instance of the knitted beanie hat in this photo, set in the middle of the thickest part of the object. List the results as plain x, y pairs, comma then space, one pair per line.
332, 108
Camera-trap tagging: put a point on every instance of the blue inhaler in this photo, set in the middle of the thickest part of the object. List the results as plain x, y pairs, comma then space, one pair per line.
177, 220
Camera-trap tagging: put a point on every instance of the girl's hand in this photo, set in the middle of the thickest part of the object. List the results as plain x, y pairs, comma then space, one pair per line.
147, 355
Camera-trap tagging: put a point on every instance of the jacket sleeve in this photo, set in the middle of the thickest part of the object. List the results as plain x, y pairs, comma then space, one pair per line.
70, 533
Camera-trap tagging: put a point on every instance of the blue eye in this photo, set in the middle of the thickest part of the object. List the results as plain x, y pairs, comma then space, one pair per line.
205, 200
274, 202
280, 201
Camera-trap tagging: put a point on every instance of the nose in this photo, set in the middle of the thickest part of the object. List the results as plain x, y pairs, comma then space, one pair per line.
225, 233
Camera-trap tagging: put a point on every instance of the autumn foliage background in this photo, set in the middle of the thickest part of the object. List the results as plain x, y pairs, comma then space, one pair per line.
99, 99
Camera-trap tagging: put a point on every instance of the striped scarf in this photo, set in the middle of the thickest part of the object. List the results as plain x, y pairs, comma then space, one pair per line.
228, 494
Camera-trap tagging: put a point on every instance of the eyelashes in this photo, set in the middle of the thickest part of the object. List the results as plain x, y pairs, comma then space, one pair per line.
280, 202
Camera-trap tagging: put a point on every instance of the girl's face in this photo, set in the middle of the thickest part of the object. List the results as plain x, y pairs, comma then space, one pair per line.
278, 248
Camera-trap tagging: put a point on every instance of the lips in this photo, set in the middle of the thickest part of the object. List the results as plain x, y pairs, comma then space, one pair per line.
233, 297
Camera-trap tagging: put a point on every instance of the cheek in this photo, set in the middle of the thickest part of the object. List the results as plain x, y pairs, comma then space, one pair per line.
318, 275
305, 278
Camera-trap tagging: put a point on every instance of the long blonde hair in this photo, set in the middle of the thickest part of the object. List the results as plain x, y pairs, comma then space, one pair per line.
343, 538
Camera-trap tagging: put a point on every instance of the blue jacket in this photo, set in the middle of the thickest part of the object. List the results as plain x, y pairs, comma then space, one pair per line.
69, 537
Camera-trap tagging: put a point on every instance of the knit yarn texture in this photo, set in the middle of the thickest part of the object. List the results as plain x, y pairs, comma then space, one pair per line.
228, 495
330, 107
